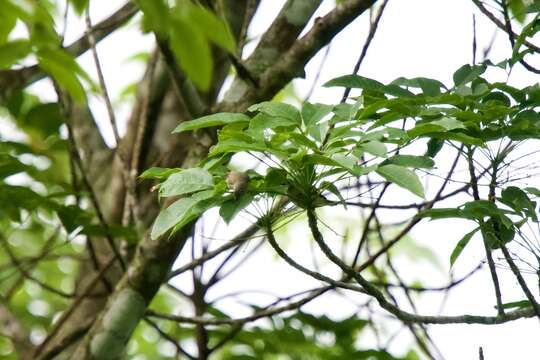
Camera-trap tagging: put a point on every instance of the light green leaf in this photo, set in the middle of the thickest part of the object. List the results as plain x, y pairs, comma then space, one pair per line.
179, 212
65, 78
461, 245
313, 113
186, 182
449, 123
375, 148
218, 119
9, 20
169, 217
156, 16
192, 51
215, 29
402, 177
13, 51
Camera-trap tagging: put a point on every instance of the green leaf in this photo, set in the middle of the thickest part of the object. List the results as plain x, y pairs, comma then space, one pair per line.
169, 217
10, 165
326, 185
262, 121
186, 182
402, 177
215, 29
355, 82
44, 117
178, 212
236, 146
461, 245
413, 161
429, 87
375, 148
521, 304
468, 73
518, 200
13, 51
156, 16
192, 51
443, 213
434, 146
313, 113
278, 110
79, 5
158, 173
532, 190
9, 20
231, 208
64, 69
218, 119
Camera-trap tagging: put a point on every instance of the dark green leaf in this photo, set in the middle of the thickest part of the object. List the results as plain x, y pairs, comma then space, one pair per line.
468, 73
443, 213
356, 82
231, 208
461, 245
410, 161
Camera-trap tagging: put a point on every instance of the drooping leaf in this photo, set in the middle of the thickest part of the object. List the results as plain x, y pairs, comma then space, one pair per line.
80, 5
518, 200
218, 119
461, 245
468, 73
232, 207
65, 70
402, 177
192, 52
215, 29
156, 16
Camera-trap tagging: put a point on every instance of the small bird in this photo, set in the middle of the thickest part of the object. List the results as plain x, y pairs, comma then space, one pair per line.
237, 182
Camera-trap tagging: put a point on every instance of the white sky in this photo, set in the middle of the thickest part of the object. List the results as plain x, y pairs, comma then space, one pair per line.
429, 38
